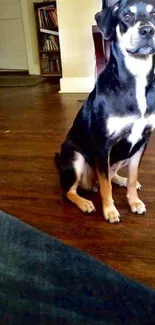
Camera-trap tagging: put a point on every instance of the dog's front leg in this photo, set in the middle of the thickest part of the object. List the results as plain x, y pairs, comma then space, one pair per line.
136, 205
109, 210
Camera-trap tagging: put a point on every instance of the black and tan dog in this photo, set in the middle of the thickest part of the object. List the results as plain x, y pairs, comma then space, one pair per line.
113, 127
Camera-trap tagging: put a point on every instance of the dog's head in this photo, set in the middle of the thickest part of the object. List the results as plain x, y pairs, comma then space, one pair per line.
132, 23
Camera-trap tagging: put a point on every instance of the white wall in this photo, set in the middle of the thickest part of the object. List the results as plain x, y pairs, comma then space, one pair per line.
76, 18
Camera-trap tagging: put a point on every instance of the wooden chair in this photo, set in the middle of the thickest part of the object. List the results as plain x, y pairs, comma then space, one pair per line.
102, 47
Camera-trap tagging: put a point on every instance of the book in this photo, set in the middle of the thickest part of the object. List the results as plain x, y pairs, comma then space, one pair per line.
53, 66
47, 17
50, 42
39, 17
58, 65
50, 65
53, 16
45, 64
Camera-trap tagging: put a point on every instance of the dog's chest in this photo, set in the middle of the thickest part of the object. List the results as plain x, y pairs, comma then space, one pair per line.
140, 93
138, 128
130, 127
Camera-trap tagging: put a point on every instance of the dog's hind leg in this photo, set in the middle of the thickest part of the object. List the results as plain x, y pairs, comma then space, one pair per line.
122, 181
71, 175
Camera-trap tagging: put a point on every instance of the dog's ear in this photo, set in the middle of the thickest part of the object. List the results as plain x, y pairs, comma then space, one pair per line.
107, 20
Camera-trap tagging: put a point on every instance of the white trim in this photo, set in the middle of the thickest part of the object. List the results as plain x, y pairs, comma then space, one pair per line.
77, 85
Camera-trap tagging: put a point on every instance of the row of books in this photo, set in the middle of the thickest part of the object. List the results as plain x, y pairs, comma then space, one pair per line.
50, 42
49, 64
48, 17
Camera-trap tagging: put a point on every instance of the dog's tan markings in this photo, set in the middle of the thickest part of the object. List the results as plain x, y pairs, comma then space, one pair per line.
110, 212
149, 8
83, 204
136, 205
133, 9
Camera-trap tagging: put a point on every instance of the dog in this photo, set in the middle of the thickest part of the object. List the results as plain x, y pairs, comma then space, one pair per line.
113, 127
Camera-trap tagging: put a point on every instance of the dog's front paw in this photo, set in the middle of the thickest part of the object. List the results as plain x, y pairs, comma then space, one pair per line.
85, 205
137, 206
111, 214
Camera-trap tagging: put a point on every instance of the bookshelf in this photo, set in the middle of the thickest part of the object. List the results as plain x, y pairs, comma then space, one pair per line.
48, 38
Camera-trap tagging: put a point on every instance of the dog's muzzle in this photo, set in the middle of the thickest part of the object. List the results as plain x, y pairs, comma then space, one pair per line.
146, 33
145, 41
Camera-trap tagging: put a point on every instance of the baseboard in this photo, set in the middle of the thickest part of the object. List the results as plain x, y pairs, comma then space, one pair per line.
13, 72
77, 85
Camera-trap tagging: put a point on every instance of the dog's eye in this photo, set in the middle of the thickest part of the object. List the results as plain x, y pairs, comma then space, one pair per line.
153, 15
127, 16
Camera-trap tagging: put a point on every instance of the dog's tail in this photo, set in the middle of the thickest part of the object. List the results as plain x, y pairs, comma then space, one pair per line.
57, 160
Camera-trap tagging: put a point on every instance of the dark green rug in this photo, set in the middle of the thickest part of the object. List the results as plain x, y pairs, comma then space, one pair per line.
44, 282
20, 81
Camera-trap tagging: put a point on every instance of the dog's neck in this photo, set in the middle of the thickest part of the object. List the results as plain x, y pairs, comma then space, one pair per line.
135, 66
134, 70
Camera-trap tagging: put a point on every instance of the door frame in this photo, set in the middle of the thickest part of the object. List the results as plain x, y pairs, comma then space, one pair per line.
30, 35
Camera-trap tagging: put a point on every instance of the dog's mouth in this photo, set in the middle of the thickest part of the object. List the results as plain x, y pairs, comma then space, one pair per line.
143, 50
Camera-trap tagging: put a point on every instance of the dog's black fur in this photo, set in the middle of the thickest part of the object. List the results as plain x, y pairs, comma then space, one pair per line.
114, 95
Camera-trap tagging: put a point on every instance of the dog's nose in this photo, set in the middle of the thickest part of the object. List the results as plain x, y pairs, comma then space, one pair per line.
146, 31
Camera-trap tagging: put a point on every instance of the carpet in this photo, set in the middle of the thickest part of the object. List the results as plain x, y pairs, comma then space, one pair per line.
43, 281
19, 81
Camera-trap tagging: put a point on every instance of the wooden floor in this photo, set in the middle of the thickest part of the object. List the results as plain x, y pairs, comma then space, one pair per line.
33, 123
